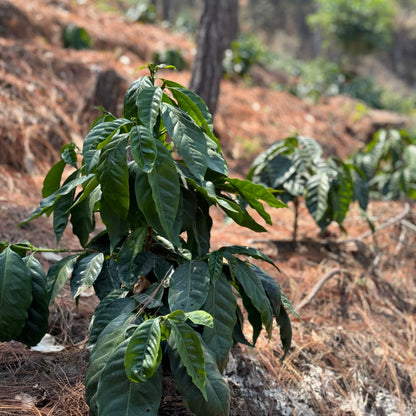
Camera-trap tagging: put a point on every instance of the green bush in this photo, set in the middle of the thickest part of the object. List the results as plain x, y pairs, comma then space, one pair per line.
295, 168
76, 37
359, 26
167, 303
172, 57
245, 52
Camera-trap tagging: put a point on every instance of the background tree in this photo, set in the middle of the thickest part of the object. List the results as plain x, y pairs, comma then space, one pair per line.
218, 28
358, 26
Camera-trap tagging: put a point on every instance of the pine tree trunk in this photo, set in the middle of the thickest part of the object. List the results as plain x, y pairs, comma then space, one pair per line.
218, 27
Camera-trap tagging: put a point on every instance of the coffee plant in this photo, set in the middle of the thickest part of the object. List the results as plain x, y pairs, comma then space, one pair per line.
168, 305
296, 168
388, 165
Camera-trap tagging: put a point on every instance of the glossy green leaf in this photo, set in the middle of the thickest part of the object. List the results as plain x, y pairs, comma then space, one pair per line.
200, 318
285, 330
109, 339
82, 216
128, 270
143, 353
215, 264
50, 201
240, 216
85, 272
15, 294
271, 288
117, 395
58, 274
317, 195
217, 390
246, 251
143, 147
108, 280
113, 305
253, 289
221, 304
53, 178
188, 345
189, 286
36, 324
113, 175
130, 99
193, 105
100, 134
164, 182
60, 211
69, 154
188, 138
341, 194
148, 100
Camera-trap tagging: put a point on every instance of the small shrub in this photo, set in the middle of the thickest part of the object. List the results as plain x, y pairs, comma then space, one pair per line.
76, 37
295, 168
245, 52
172, 57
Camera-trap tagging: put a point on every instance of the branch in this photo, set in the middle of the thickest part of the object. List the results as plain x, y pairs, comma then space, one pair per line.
318, 286
386, 224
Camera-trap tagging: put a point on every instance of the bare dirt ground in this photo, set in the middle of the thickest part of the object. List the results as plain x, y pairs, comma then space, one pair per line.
353, 351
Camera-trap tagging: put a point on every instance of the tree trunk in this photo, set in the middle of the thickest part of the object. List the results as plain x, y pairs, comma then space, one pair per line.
218, 27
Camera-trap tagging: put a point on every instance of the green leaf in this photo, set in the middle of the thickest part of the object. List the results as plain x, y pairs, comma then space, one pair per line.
271, 288
143, 353
58, 274
317, 192
36, 324
221, 304
47, 204
285, 330
69, 154
215, 264
113, 305
193, 105
128, 270
117, 395
113, 175
187, 343
246, 251
188, 286
148, 101
82, 216
60, 211
86, 271
188, 138
341, 194
253, 289
143, 147
112, 336
15, 294
98, 136
253, 192
52, 180
217, 390
130, 99
200, 318
108, 280
240, 216
164, 182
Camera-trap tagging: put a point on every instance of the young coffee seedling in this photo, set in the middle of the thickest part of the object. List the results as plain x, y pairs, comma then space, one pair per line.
168, 305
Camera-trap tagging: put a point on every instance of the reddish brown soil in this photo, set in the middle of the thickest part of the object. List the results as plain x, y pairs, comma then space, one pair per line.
354, 350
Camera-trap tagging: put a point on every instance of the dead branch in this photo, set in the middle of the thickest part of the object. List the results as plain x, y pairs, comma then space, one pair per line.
399, 217
318, 286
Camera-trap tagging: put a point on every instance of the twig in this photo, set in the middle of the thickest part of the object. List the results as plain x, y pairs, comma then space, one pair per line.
409, 225
386, 224
318, 286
